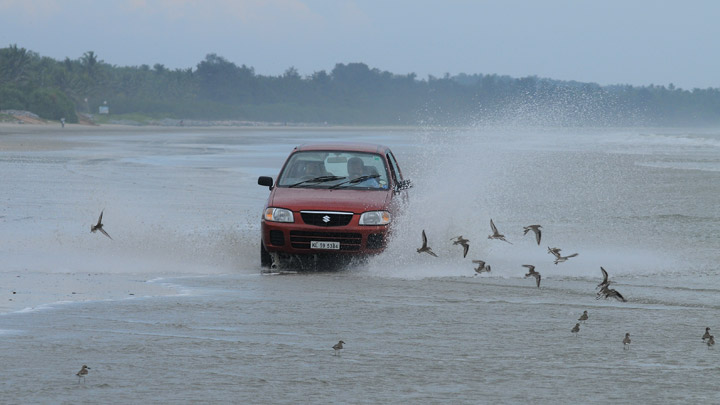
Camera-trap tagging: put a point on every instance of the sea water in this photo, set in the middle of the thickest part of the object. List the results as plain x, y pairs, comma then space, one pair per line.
175, 308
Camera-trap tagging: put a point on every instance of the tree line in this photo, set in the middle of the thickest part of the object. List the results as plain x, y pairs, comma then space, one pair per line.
350, 94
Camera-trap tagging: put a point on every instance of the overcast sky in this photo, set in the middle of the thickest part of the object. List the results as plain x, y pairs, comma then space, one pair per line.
637, 42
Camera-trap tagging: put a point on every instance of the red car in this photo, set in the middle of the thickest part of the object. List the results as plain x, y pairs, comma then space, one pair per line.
331, 200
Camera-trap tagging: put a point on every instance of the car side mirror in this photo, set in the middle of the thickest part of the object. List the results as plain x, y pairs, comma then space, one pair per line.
266, 181
403, 185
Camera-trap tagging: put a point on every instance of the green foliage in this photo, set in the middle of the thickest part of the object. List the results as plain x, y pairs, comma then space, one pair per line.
11, 98
51, 104
350, 94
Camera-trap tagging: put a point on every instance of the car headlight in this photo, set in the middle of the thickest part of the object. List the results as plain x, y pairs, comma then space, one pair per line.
279, 215
375, 218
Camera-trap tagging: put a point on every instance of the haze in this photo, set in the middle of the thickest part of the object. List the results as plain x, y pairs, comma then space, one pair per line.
610, 42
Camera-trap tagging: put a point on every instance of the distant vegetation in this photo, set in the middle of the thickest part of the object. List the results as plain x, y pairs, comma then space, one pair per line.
350, 94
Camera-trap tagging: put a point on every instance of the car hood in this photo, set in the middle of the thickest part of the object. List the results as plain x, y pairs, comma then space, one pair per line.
307, 199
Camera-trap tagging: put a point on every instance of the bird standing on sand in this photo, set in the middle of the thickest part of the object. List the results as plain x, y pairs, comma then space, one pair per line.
576, 329
82, 373
533, 273
626, 341
711, 341
534, 228
706, 335
481, 268
459, 240
496, 234
583, 317
99, 226
337, 347
558, 258
425, 248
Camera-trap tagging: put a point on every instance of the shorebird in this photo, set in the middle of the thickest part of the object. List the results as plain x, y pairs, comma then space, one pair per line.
99, 226
626, 341
553, 251
576, 329
459, 240
338, 347
425, 247
583, 317
82, 373
606, 293
706, 335
496, 234
533, 273
481, 268
711, 342
558, 258
605, 281
534, 228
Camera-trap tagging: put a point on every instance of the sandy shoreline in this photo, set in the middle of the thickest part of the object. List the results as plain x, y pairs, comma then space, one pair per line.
32, 290
7, 128
43, 137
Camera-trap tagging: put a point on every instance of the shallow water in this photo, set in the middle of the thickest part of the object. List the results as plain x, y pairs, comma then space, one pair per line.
204, 325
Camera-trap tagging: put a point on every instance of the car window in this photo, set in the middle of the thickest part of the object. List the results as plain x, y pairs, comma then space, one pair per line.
396, 173
308, 165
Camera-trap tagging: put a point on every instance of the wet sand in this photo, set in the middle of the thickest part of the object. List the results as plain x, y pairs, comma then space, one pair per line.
183, 209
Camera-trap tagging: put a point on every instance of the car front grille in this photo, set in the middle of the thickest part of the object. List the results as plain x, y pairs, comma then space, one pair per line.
348, 241
319, 218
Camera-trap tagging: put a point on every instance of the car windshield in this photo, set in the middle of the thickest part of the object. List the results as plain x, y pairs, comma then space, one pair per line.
334, 169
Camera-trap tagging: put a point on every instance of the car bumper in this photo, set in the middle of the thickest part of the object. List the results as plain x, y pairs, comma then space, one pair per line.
296, 238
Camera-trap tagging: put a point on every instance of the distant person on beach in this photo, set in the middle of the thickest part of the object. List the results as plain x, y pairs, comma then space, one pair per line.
62, 122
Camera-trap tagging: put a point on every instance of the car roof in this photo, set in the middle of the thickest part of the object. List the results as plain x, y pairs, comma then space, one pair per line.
344, 146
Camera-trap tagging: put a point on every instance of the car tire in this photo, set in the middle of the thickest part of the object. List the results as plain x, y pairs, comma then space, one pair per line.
265, 259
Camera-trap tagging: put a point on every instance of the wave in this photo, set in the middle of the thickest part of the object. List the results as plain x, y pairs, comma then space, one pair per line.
706, 166
697, 140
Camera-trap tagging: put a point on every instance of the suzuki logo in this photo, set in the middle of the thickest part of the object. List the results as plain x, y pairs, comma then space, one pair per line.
326, 218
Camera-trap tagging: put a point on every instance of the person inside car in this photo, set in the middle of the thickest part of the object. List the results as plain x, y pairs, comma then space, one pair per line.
315, 169
356, 168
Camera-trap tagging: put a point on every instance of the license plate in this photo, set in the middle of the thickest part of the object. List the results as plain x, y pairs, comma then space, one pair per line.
315, 244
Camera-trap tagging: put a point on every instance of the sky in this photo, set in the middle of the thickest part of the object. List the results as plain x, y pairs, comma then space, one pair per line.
636, 42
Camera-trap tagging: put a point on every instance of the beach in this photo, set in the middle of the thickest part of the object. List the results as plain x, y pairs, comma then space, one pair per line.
174, 308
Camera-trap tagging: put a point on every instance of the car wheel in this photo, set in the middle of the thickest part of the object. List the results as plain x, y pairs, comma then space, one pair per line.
265, 259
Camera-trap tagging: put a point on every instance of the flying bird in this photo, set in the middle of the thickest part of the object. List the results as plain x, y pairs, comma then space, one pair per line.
605, 282
338, 346
481, 268
626, 341
533, 273
496, 234
583, 317
606, 293
534, 228
82, 373
559, 258
425, 248
459, 240
99, 226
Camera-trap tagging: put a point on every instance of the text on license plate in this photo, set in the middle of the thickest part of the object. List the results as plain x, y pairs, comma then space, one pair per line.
315, 244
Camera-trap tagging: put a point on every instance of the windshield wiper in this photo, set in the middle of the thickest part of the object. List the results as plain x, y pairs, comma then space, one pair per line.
321, 179
356, 180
